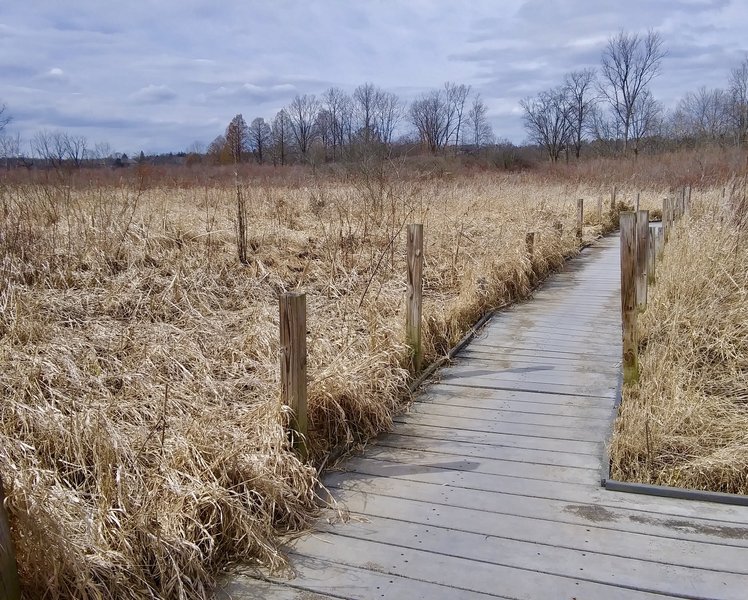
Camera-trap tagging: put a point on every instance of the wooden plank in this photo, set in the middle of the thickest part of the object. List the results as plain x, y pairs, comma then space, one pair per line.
553, 432
471, 450
682, 519
313, 575
461, 574
293, 366
502, 439
517, 535
489, 466
414, 300
506, 413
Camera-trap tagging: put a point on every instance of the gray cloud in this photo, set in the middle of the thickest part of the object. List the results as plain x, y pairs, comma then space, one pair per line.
157, 76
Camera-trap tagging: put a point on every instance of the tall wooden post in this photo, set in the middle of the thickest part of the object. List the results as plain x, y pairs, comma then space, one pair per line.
10, 589
415, 299
580, 220
293, 366
642, 241
600, 210
613, 205
628, 297
651, 256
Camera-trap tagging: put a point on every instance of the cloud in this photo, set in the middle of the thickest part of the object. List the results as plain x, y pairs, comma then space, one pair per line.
153, 94
185, 69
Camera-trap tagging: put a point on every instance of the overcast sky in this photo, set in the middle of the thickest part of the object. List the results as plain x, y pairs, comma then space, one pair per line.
158, 75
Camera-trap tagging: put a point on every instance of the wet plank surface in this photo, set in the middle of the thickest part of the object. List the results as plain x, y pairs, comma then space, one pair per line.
489, 487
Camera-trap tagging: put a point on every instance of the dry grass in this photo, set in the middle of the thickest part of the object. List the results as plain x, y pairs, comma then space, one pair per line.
141, 441
686, 423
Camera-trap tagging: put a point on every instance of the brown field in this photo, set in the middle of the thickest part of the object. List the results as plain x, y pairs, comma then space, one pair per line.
143, 442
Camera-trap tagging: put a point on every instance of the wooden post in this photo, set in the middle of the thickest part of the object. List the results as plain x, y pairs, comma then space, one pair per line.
666, 219
660, 242
628, 297
414, 299
600, 210
687, 204
530, 246
293, 366
10, 588
642, 241
580, 220
651, 256
613, 205
637, 201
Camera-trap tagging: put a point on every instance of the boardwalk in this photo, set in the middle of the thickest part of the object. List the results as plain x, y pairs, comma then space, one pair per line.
490, 486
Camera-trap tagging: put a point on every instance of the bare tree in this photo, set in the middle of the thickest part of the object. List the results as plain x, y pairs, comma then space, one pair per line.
629, 63
50, 146
645, 118
338, 106
579, 87
703, 114
237, 138
548, 121
738, 83
218, 150
480, 130
76, 149
455, 98
281, 137
388, 114
260, 138
10, 148
365, 104
4, 117
302, 113
429, 115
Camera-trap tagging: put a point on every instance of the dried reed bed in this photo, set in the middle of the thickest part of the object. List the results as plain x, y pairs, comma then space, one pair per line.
686, 423
141, 441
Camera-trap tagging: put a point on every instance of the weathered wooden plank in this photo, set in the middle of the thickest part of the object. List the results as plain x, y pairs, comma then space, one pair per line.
414, 300
293, 366
470, 450
643, 514
490, 466
580, 420
629, 560
558, 432
501, 439
461, 574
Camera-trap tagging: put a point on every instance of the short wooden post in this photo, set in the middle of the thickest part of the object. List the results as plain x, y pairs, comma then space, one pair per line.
651, 256
600, 210
642, 241
580, 220
628, 297
10, 588
293, 366
415, 297
530, 246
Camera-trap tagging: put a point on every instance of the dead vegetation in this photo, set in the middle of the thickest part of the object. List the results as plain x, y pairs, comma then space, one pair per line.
142, 446
686, 423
